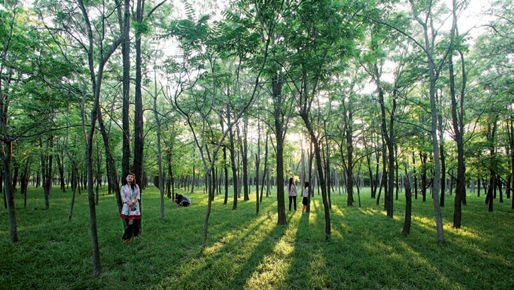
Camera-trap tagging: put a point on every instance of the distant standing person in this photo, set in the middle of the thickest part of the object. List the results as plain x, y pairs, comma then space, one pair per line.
131, 195
292, 193
305, 200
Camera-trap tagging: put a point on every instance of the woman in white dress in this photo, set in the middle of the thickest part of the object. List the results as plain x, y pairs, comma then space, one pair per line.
292, 193
131, 195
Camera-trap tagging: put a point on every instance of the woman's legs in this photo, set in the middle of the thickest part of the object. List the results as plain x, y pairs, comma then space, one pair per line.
294, 200
127, 234
290, 199
136, 228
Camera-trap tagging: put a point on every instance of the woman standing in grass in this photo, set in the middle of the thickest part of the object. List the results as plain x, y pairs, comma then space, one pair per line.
292, 193
130, 194
305, 200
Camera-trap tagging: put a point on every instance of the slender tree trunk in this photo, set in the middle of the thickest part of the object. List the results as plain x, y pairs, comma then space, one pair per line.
209, 207
245, 160
415, 176
377, 168
423, 157
396, 175
348, 125
8, 193
443, 157
510, 131
125, 52
233, 160
159, 150
265, 171
408, 205
257, 164
74, 185
507, 188
170, 182
47, 169
225, 171
112, 175
358, 184
327, 166
138, 100
60, 166
24, 182
490, 191
370, 172
310, 157
98, 173
319, 164
390, 147
280, 174
277, 83
491, 138
383, 183
435, 147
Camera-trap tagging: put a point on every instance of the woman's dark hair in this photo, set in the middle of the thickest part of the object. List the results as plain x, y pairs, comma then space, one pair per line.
134, 182
291, 180
307, 184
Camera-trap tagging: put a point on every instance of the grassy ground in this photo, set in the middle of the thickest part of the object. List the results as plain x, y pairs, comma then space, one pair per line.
367, 249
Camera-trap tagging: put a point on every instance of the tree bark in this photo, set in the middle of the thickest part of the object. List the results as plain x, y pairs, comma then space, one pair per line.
265, 171
348, 133
74, 185
9, 196
159, 150
257, 167
225, 171
112, 175
443, 157
491, 138
277, 82
232, 159
245, 160
327, 165
125, 52
408, 205
60, 167
138, 100
319, 164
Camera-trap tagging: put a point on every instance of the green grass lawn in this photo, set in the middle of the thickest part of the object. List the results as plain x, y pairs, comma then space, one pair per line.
367, 249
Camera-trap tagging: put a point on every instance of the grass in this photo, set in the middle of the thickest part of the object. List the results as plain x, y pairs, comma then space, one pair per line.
367, 249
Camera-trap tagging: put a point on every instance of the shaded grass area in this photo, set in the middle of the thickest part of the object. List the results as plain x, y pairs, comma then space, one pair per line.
367, 249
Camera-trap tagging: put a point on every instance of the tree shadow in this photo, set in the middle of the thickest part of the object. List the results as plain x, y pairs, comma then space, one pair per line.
378, 255
299, 268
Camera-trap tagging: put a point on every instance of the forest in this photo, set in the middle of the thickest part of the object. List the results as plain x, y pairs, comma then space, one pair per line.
399, 114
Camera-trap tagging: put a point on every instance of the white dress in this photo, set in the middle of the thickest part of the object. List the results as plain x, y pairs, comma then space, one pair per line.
128, 194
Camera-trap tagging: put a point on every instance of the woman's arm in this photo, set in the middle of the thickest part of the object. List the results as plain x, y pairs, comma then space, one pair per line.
138, 193
124, 196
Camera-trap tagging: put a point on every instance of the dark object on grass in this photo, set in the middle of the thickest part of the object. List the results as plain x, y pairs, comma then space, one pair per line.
182, 200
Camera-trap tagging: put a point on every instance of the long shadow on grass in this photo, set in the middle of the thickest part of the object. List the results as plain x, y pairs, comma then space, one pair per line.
221, 258
299, 267
386, 259
259, 252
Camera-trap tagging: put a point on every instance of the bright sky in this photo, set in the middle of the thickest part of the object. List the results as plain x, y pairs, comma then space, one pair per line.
473, 17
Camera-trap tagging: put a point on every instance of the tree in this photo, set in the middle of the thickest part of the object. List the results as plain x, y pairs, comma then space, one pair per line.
325, 32
201, 47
